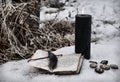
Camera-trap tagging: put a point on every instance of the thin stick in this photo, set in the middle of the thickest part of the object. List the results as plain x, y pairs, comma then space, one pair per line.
41, 58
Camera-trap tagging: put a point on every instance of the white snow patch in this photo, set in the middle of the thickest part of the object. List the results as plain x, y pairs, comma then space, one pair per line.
19, 71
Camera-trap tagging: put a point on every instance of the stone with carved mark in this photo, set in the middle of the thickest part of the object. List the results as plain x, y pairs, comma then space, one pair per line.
104, 62
105, 67
113, 66
93, 65
99, 70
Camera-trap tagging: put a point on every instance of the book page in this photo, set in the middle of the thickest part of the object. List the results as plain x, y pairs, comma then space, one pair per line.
40, 63
68, 63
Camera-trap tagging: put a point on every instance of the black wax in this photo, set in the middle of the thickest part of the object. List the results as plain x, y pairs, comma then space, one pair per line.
83, 34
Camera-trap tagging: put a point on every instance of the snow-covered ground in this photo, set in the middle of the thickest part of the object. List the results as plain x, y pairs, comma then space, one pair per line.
106, 46
20, 71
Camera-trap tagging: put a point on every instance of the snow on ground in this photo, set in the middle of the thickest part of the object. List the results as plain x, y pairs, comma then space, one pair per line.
19, 71
105, 33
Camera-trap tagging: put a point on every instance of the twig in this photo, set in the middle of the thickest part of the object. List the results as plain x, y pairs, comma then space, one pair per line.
41, 58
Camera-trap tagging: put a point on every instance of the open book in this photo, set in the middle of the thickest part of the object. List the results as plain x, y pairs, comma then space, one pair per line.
67, 63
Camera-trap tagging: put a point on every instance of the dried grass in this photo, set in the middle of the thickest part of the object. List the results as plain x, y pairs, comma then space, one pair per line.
20, 35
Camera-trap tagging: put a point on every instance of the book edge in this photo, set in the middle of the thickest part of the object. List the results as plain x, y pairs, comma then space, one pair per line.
80, 64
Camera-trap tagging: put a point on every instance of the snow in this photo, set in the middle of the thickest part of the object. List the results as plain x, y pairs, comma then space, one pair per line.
20, 71
107, 37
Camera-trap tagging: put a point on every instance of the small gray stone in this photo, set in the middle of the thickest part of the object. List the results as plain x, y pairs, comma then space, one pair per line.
114, 66
99, 70
93, 62
104, 62
93, 65
105, 67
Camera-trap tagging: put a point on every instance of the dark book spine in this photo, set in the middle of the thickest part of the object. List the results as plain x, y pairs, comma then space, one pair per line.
83, 34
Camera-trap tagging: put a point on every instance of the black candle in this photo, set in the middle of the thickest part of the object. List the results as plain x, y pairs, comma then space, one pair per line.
83, 34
